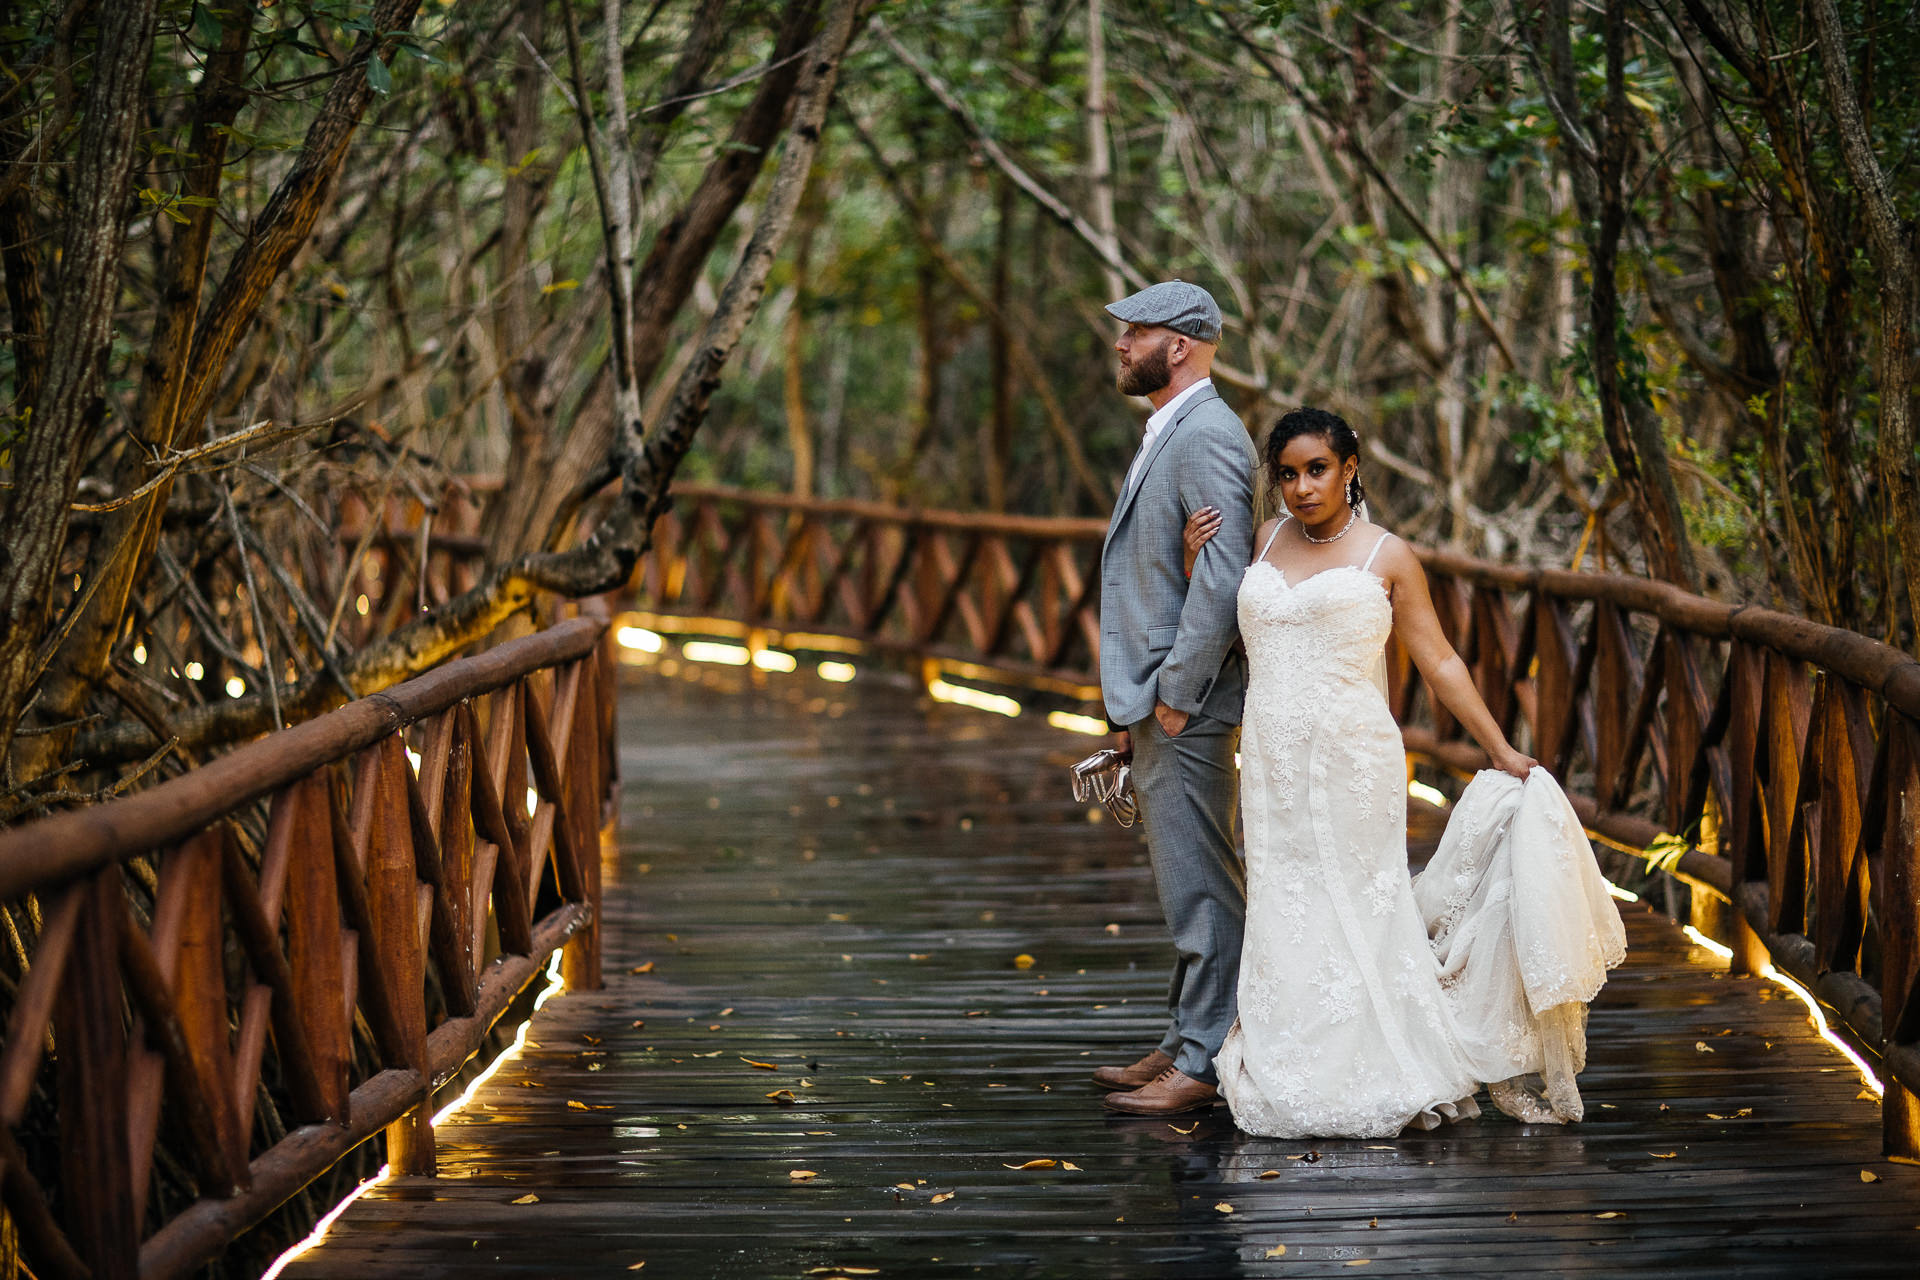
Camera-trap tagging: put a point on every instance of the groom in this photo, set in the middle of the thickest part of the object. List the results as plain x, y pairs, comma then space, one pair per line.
1171, 676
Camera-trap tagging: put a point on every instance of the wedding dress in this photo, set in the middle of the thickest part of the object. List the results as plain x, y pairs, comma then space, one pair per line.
1369, 1002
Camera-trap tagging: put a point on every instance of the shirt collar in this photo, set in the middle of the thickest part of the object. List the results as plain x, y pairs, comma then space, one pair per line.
1164, 414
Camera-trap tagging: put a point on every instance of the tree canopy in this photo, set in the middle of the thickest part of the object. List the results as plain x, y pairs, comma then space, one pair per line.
1624, 285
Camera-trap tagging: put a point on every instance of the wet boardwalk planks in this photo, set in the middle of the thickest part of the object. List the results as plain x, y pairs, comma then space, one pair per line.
844, 896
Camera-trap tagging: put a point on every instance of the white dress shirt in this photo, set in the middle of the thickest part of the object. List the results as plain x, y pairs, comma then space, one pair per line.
1156, 424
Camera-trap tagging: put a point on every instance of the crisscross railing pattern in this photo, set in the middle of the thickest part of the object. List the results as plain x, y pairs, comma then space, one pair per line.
1770, 762
271, 958
1784, 754
1019, 593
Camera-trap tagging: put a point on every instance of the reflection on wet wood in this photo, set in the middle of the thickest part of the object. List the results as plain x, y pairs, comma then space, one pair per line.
839, 881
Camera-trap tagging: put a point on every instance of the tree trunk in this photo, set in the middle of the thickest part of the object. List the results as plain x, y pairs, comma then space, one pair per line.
575, 456
608, 557
997, 454
272, 243
46, 464
1890, 246
1099, 152
20, 259
526, 363
1598, 168
793, 344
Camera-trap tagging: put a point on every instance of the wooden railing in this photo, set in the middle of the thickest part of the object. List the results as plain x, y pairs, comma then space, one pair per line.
224, 984
1021, 594
1772, 763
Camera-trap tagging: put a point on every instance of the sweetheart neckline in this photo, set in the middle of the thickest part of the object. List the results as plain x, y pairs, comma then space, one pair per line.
1291, 586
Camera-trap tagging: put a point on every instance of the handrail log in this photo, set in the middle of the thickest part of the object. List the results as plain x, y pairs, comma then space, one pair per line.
1787, 750
198, 1234
1864, 661
67, 845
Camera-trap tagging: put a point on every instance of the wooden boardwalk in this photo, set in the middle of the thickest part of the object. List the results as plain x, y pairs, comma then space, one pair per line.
838, 880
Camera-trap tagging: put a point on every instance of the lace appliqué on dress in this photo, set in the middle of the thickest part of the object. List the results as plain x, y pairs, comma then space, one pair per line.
1369, 1002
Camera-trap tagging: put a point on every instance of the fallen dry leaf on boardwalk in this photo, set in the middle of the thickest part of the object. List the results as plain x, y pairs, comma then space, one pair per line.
529, 1198
642, 968
764, 1066
802, 1175
1032, 1164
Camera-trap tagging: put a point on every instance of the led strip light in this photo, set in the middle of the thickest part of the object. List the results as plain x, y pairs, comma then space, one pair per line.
555, 984
1814, 1011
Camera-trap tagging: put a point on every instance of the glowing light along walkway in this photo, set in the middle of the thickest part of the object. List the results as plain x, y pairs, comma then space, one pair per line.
858, 946
1814, 1012
555, 984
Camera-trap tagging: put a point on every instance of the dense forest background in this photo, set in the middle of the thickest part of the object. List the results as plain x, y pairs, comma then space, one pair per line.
1627, 285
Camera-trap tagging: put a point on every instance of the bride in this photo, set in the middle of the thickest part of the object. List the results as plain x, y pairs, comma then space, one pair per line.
1369, 1002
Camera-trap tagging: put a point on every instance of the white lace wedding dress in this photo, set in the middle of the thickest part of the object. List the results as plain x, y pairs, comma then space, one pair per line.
1369, 1003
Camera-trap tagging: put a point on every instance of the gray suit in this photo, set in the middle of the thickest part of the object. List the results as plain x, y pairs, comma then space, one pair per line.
1163, 638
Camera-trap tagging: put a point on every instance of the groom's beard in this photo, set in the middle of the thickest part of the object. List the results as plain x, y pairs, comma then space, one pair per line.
1146, 375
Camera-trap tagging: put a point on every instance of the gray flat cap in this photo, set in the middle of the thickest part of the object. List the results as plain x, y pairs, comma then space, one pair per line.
1172, 304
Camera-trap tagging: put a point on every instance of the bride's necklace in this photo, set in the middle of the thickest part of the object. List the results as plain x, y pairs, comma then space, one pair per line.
1353, 514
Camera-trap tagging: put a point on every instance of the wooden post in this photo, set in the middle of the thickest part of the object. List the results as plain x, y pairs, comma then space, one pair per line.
580, 959
410, 1146
95, 1164
1713, 917
1899, 895
1750, 956
383, 831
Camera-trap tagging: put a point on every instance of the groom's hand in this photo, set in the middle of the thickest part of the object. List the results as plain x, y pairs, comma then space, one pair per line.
1170, 720
1123, 743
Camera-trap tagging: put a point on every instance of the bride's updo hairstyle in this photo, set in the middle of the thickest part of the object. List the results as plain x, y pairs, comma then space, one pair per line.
1331, 427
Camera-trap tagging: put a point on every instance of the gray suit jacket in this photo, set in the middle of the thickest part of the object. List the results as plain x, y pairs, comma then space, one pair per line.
1162, 637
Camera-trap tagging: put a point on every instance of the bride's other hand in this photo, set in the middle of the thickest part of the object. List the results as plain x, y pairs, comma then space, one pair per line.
1515, 763
1201, 526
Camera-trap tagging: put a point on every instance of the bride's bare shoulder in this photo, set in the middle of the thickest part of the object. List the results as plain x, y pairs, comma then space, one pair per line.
1393, 557
1263, 536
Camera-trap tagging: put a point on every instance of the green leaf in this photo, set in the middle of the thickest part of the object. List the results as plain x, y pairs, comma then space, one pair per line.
378, 76
206, 27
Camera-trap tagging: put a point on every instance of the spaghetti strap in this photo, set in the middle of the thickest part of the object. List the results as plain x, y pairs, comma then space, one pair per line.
1270, 540
1379, 542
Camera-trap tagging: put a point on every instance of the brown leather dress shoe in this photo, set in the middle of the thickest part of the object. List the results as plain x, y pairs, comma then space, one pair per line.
1133, 1077
1170, 1093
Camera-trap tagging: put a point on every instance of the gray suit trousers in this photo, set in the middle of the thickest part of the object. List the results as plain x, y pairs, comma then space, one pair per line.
1187, 792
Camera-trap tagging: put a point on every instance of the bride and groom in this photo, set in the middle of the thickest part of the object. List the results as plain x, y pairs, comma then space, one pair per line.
1318, 989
